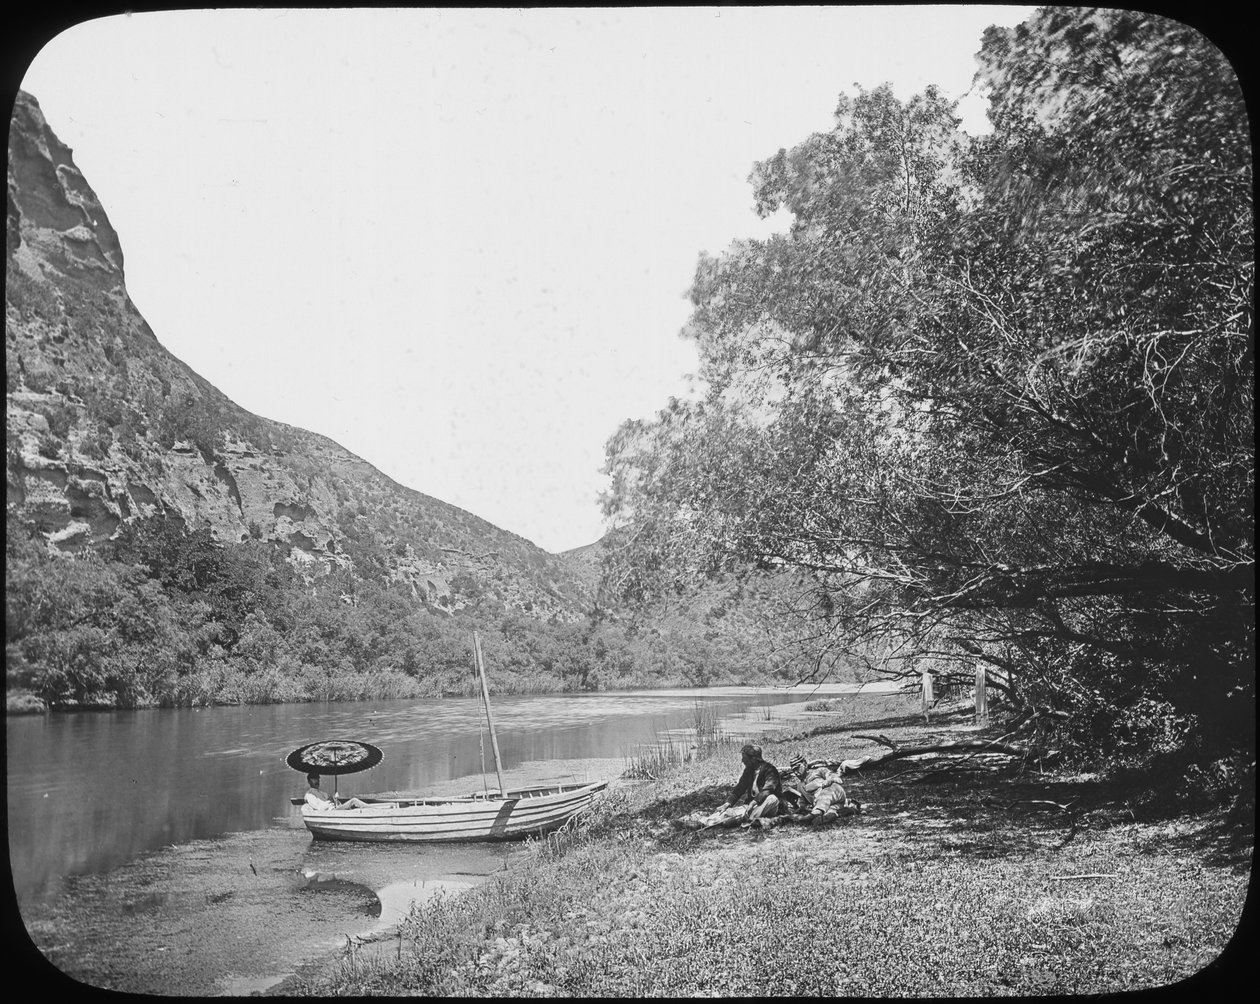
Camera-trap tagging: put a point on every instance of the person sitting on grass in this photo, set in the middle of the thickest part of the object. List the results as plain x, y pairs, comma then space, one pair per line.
828, 799
758, 785
319, 799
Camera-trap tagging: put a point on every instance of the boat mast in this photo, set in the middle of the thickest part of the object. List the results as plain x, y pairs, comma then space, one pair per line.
485, 696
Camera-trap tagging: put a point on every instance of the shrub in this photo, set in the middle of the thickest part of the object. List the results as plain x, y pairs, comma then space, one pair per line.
39, 380
24, 704
1205, 786
49, 447
60, 417
94, 445
31, 298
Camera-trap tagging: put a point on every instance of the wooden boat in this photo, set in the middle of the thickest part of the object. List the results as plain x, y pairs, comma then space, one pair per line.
510, 816
488, 815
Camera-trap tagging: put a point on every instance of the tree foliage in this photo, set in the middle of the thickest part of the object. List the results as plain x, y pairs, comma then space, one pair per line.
994, 395
170, 616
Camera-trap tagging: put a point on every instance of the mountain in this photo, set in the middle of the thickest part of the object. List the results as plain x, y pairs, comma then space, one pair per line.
106, 430
165, 546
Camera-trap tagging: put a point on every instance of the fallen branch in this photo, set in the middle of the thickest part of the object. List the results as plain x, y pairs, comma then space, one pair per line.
1062, 807
1070, 878
881, 739
969, 746
929, 771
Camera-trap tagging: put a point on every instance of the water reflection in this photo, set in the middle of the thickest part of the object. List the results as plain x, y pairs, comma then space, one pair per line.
397, 898
90, 791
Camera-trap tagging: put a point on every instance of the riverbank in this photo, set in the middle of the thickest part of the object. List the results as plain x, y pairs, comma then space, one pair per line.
20, 702
238, 914
955, 888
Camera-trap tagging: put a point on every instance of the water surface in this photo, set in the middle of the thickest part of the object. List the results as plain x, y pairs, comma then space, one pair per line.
90, 791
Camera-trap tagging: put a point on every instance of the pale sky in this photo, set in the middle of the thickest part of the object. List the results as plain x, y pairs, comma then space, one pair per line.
458, 242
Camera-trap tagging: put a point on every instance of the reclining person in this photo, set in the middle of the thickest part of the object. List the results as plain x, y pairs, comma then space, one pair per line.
793, 797
827, 797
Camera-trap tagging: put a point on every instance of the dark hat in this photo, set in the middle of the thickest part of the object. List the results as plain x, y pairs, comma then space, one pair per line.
751, 750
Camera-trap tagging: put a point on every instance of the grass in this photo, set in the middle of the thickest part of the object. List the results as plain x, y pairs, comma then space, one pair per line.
863, 710
932, 891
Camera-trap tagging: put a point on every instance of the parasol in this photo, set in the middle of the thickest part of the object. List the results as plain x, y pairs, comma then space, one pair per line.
334, 756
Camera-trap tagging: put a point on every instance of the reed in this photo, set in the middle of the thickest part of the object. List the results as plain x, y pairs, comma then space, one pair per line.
651, 760
705, 721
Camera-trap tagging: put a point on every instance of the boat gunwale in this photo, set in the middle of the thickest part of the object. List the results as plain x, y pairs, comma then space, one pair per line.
534, 794
453, 822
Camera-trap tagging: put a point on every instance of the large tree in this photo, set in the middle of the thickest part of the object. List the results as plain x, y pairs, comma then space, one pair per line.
995, 395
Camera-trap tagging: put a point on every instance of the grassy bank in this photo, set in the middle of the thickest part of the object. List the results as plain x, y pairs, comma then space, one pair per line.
955, 888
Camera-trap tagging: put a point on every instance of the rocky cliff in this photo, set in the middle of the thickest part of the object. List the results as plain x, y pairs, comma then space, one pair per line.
106, 427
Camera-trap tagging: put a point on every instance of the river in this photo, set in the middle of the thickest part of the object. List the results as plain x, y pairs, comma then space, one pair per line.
134, 833
90, 791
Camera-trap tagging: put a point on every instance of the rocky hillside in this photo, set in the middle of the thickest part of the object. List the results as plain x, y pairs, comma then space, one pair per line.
105, 428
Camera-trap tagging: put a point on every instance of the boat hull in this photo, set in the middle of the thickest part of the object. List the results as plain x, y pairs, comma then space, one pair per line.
516, 815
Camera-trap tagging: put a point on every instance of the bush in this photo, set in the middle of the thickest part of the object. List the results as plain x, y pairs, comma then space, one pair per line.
48, 446
94, 445
24, 704
30, 297
1205, 786
39, 380
59, 416
196, 689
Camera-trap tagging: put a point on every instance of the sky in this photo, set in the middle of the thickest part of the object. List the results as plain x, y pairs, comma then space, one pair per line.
458, 242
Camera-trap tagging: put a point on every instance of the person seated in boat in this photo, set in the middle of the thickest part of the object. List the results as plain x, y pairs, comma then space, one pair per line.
319, 799
758, 785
